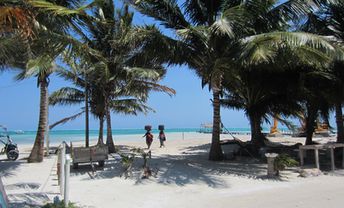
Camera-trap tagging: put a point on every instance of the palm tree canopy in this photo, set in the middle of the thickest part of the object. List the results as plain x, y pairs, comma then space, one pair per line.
214, 34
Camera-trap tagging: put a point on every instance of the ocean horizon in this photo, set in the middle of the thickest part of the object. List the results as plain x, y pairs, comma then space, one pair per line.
57, 136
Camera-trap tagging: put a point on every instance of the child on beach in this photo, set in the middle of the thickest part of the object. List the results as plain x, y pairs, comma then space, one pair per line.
149, 138
162, 138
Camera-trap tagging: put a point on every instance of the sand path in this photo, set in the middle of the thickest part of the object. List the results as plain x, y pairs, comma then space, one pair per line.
183, 177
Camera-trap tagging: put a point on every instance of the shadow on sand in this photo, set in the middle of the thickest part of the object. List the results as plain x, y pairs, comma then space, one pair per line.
28, 200
192, 166
8, 167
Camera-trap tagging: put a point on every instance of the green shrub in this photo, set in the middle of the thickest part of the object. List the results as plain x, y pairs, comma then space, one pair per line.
59, 205
284, 160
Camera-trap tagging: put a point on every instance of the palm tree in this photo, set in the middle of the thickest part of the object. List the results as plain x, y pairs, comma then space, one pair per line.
216, 35
314, 97
125, 51
49, 29
129, 99
338, 95
329, 21
262, 93
40, 68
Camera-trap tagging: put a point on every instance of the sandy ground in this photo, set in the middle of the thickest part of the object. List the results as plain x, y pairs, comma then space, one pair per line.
182, 177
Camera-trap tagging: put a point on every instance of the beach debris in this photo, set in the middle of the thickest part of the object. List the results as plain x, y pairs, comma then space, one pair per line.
145, 155
310, 172
128, 160
127, 164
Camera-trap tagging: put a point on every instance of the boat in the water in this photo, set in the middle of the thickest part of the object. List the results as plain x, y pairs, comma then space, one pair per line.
19, 132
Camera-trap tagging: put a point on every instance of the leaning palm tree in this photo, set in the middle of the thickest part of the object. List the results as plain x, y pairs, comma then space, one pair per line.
41, 68
213, 36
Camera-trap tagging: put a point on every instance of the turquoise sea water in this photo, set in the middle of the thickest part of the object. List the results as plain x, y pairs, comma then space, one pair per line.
57, 136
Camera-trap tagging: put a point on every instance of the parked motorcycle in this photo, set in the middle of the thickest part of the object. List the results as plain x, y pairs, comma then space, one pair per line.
10, 148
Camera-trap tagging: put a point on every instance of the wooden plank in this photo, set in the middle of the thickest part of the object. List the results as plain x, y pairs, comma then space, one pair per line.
314, 146
343, 159
316, 154
332, 159
301, 157
334, 145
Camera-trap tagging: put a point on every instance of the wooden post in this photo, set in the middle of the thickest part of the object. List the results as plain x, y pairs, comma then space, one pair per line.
301, 157
332, 159
343, 159
62, 167
316, 153
271, 166
66, 182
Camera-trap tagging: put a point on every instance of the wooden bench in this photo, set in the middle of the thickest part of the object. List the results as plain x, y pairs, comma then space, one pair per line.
316, 148
98, 153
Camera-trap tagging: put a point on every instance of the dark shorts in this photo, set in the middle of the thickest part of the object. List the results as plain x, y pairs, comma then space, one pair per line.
149, 141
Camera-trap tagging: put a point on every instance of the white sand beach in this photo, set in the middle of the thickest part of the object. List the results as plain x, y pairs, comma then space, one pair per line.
182, 177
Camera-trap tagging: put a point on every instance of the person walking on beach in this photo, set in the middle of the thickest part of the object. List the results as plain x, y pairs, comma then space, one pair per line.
149, 138
162, 138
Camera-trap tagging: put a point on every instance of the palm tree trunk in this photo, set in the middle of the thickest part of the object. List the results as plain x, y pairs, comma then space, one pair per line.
310, 123
101, 128
257, 136
87, 131
109, 140
215, 153
37, 151
339, 122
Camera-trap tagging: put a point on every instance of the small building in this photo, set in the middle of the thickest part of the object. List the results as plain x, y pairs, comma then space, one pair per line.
206, 128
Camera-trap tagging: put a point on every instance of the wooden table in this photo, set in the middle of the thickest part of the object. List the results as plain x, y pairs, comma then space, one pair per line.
316, 148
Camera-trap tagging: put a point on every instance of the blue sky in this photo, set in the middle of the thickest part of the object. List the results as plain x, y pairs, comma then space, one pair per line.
191, 106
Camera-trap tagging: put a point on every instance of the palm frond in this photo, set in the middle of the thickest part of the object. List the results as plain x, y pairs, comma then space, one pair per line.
165, 11
158, 88
56, 9
14, 18
129, 106
65, 120
263, 47
67, 96
13, 52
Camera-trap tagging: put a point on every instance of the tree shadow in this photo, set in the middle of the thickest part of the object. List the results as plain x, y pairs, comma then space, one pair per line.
112, 168
192, 166
28, 200
15, 186
8, 167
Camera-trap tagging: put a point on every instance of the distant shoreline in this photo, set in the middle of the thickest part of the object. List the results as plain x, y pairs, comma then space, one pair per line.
57, 136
